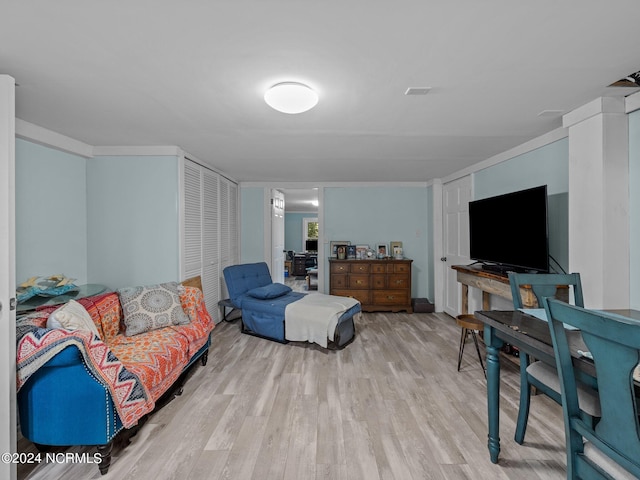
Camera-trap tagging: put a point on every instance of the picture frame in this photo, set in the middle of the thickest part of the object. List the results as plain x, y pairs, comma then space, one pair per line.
395, 249
333, 246
351, 252
382, 250
361, 251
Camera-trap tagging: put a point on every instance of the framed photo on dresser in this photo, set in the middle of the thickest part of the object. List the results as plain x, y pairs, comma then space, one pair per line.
333, 245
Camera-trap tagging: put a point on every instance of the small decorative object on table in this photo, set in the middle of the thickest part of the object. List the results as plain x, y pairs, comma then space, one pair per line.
334, 247
382, 250
361, 251
396, 250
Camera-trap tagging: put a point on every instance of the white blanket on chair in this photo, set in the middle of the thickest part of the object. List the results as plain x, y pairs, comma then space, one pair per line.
314, 317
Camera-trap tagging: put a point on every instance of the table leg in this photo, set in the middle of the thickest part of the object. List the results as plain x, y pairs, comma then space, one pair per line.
493, 345
464, 300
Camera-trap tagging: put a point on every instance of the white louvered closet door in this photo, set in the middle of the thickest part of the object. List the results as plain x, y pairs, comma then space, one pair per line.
192, 244
210, 230
210, 242
225, 240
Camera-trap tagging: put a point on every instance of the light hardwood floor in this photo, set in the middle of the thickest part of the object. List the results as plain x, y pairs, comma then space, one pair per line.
391, 405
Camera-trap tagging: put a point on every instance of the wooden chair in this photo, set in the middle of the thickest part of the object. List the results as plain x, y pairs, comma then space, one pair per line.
612, 448
539, 374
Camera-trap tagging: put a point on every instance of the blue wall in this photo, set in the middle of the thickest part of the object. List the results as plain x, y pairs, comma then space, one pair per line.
634, 208
293, 227
252, 224
293, 231
371, 215
133, 220
51, 213
547, 165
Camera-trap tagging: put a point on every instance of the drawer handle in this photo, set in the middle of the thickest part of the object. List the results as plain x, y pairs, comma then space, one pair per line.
359, 282
399, 282
390, 297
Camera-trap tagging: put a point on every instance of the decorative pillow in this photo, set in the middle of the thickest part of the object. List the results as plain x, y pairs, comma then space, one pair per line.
72, 316
152, 307
273, 290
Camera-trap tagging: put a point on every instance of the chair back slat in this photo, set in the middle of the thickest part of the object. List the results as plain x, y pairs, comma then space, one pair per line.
545, 285
614, 343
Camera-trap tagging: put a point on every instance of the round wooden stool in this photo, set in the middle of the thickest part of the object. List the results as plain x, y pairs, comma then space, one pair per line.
469, 324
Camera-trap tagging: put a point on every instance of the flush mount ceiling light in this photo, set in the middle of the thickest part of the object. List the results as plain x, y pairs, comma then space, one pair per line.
291, 97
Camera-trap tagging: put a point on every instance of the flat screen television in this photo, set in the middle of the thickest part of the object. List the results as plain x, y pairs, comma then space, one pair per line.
511, 231
311, 245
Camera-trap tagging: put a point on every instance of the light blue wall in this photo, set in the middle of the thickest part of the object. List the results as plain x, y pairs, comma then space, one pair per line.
293, 227
634, 208
368, 215
547, 165
51, 213
133, 220
252, 224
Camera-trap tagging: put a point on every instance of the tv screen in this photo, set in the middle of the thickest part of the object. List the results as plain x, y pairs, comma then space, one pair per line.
311, 245
511, 230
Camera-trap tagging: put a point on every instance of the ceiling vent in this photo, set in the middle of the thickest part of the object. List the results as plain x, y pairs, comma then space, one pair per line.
417, 90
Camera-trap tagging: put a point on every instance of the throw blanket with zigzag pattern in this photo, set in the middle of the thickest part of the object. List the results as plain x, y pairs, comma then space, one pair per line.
37, 345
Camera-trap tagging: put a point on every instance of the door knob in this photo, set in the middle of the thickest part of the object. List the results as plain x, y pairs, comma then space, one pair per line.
443, 259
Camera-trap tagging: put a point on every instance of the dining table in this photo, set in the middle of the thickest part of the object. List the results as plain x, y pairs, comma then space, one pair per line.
528, 330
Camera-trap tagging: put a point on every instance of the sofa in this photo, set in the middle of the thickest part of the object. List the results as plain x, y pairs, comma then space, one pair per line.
273, 311
85, 386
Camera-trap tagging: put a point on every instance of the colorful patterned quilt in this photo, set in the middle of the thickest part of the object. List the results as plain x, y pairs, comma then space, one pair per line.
136, 370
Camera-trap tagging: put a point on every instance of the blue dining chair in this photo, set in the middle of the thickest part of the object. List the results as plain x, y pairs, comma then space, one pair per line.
612, 448
537, 373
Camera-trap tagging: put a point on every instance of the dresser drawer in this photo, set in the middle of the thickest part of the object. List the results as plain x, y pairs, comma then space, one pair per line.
363, 296
390, 297
339, 267
398, 281
378, 281
360, 268
378, 268
402, 268
358, 281
338, 281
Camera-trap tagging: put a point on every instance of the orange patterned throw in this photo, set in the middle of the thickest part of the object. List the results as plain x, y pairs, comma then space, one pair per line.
137, 369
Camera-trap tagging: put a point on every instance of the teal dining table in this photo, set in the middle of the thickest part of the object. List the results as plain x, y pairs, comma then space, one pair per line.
530, 333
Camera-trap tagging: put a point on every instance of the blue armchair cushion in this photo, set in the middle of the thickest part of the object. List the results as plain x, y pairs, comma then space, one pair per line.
273, 290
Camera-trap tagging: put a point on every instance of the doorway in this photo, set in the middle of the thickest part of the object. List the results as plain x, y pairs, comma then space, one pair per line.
303, 228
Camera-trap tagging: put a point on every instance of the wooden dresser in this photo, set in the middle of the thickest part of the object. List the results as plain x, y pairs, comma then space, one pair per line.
379, 285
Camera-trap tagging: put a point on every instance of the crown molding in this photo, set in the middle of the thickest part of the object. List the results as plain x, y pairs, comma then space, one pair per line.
49, 138
138, 151
632, 102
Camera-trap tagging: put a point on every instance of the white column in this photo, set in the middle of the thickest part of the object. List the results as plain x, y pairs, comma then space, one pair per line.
8, 434
599, 201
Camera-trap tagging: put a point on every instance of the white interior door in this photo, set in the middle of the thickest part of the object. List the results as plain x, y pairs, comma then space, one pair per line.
277, 236
455, 205
8, 434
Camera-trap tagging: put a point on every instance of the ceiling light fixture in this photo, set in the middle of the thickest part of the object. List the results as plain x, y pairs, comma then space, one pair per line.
291, 97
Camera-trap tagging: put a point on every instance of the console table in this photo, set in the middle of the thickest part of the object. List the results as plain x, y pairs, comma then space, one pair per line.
492, 283
379, 285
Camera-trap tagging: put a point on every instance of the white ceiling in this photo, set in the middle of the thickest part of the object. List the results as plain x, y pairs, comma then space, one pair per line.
192, 73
